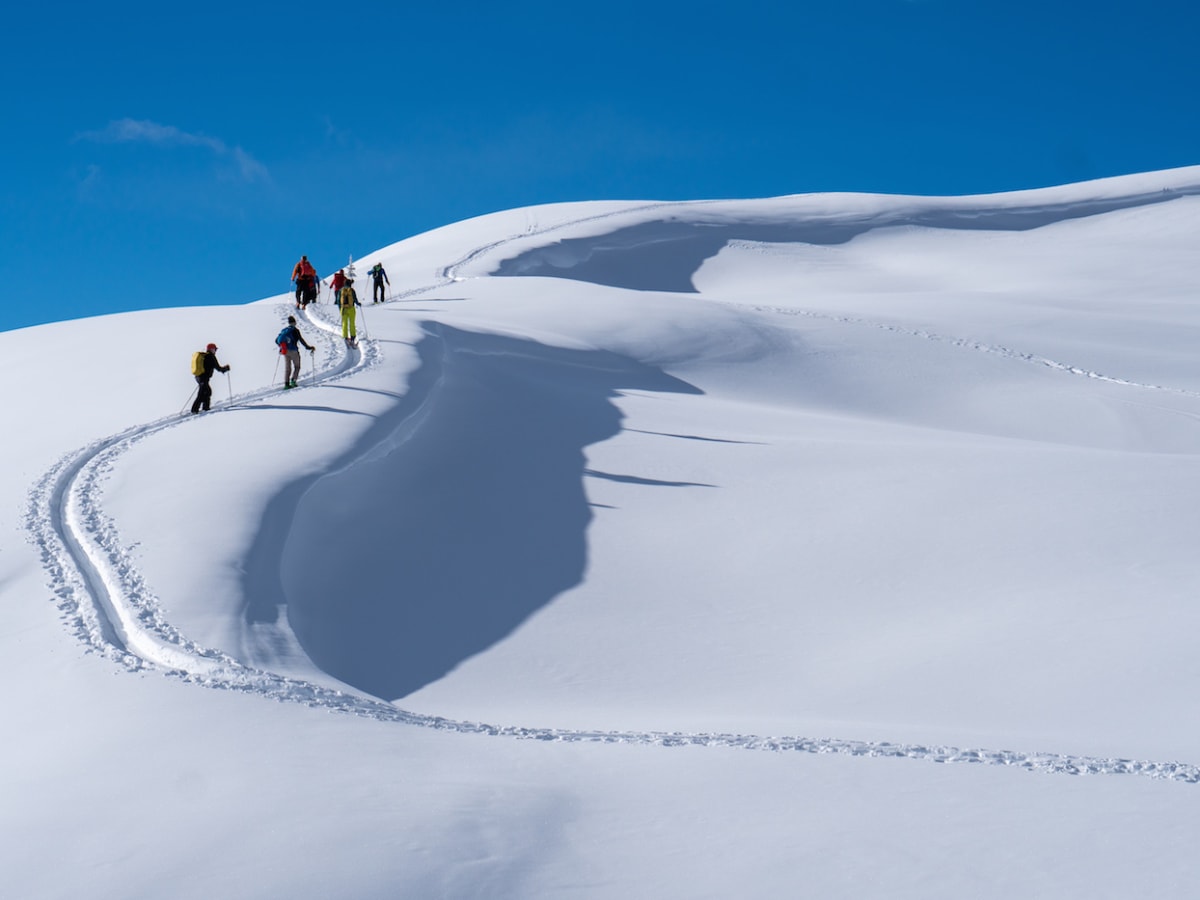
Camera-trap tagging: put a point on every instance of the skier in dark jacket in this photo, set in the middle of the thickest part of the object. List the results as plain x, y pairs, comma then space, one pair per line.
289, 340
204, 392
378, 277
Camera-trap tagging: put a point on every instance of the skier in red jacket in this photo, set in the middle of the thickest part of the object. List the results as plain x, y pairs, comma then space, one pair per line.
337, 283
306, 280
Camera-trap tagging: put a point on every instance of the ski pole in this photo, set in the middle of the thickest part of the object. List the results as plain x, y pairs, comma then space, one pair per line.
229, 384
362, 315
188, 401
312, 365
276, 375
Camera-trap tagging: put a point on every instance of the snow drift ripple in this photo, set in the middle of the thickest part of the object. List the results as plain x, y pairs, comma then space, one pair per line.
113, 612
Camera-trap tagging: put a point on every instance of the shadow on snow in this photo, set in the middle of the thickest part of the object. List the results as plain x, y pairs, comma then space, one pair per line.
459, 513
665, 255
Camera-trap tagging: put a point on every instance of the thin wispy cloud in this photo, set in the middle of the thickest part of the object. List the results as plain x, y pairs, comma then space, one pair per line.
127, 131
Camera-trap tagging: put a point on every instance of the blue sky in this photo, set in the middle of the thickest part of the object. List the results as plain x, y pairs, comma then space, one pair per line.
158, 156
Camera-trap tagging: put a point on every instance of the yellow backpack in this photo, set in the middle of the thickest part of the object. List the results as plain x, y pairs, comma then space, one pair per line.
198, 362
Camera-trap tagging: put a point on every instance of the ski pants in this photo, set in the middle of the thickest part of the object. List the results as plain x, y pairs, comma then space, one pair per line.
377, 293
291, 366
203, 395
349, 314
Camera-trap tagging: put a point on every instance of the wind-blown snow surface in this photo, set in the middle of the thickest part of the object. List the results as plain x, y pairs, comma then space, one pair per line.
616, 508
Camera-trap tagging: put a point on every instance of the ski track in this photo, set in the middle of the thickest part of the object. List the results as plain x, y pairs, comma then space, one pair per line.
967, 344
108, 606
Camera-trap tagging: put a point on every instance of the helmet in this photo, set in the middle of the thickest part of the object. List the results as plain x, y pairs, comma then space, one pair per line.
211, 347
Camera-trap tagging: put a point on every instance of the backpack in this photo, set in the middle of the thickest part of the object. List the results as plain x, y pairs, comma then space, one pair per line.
198, 362
282, 341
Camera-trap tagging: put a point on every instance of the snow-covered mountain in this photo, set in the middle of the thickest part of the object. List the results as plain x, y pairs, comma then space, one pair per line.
637, 550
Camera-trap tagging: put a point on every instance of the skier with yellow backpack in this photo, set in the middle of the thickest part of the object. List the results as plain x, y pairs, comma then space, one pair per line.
347, 301
204, 363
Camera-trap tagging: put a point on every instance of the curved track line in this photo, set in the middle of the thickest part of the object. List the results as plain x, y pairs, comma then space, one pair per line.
65, 522
449, 274
113, 612
967, 344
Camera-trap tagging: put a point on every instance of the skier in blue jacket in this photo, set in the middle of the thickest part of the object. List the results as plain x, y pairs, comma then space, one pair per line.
289, 340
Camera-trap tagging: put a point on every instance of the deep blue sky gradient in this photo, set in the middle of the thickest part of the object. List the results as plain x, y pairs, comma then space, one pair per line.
159, 156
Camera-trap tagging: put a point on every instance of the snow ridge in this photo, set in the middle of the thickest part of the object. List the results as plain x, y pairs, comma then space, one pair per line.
112, 611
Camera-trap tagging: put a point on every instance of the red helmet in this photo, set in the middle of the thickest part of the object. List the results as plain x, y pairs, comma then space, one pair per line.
211, 347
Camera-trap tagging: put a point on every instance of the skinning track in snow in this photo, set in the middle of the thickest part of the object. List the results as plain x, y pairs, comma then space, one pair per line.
113, 611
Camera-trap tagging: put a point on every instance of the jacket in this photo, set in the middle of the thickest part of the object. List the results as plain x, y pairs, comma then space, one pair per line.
210, 365
290, 337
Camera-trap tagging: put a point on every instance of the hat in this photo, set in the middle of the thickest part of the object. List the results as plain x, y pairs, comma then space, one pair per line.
211, 347
291, 320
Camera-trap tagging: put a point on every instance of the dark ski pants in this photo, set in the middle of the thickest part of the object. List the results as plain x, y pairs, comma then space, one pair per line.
378, 293
203, 395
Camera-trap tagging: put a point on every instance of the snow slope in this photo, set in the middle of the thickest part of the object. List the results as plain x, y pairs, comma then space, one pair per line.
616, 507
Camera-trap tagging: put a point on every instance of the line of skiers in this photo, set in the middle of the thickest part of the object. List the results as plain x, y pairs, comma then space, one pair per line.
205, 364
308, 283
289, 340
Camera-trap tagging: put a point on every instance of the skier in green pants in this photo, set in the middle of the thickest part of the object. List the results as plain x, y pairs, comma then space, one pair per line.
348, 301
